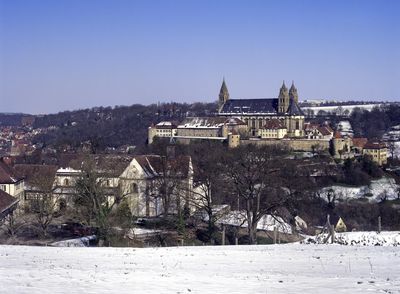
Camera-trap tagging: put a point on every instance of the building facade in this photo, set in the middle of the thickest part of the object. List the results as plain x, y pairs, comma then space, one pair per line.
256, 112
377, 151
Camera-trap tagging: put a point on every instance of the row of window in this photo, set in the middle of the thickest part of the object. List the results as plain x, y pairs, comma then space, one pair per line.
261, 123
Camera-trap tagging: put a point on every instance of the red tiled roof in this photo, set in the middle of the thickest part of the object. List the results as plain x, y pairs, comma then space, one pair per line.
8, 174
325, 131
337, 135
274, 124
359, 142
374, 145
37, 175
310, 126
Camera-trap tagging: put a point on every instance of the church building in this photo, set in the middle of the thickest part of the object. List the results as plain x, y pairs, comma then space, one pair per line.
257, 112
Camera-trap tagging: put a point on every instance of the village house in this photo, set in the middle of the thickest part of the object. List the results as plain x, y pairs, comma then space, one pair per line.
11, 182
107, 167
322, 132
341, 145
377, 151
358, 145
155, 184
7, 204
273, 129
162, 129
38, 183
148, 183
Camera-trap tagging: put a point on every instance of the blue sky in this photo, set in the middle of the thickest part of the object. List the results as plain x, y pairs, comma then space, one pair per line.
64, 55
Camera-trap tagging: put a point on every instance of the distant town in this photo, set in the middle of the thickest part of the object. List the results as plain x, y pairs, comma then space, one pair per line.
174, 173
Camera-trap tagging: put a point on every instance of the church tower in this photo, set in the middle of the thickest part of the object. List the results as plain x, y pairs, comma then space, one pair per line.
293, 93
223, 95
283, 99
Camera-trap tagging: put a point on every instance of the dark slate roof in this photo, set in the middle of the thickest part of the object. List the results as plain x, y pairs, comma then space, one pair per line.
250, 106
6, 201
261, 106
294, 109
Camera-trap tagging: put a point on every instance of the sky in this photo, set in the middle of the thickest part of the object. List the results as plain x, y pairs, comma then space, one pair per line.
73, 54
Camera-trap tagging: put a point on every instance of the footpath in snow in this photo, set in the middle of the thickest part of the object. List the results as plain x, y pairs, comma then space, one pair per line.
292, 268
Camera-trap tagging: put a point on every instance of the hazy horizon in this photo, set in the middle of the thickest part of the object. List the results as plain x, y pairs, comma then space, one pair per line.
67, 55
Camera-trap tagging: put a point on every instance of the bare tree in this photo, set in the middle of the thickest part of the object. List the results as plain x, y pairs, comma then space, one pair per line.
95, 199
254, 176
392, 148
44, 204
170, 184
11, 224
208, 182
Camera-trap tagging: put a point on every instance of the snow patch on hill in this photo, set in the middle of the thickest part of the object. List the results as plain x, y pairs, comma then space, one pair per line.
374, 192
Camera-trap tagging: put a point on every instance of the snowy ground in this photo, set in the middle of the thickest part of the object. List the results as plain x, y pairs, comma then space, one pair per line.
386, 238
374, 192
293, 268
332, 109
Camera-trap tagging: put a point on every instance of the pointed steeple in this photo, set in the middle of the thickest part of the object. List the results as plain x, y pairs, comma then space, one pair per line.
223, 95
283, 99
293, 93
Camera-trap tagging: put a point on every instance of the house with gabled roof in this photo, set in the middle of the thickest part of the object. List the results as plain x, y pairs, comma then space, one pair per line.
11, 182
273, 129
155, 185
8, 204
377, 151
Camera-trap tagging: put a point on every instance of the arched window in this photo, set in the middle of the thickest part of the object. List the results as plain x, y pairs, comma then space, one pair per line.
66, 182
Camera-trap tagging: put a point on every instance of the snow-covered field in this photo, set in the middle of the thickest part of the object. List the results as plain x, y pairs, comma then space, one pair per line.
374, 192
292, 268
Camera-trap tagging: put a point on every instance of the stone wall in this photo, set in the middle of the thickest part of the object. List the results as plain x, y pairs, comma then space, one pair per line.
294, 144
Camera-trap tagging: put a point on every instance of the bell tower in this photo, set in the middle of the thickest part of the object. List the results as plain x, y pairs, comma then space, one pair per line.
223, 95
283, 99
293, 93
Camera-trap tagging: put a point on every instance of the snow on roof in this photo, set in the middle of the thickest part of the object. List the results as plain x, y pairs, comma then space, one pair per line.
68, 170
209, 122
266, 223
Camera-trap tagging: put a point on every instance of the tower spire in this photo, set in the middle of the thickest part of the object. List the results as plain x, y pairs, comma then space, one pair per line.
283, 99
293, 95
223, 95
